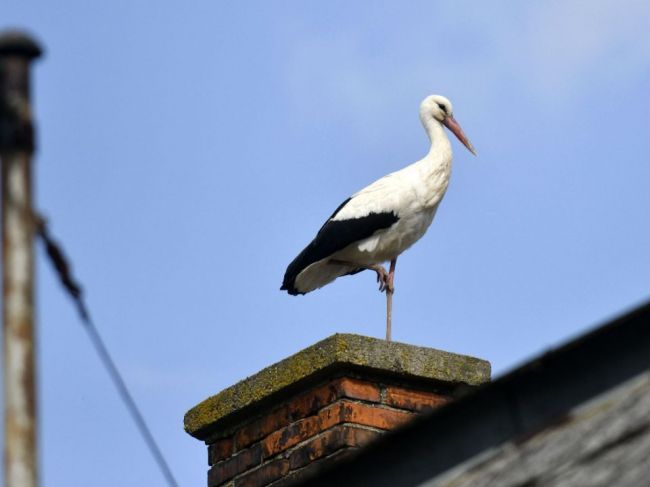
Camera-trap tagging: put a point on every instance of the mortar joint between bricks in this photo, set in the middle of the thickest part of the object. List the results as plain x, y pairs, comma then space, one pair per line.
364, 427
388, 407
235, 447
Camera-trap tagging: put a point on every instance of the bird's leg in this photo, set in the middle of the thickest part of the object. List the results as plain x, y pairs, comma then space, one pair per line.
382, 275
385, 280
390, 289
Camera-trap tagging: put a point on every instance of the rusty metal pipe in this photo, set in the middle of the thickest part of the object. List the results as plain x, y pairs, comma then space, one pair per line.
17, 50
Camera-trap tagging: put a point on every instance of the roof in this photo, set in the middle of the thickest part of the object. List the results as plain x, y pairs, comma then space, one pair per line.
580, 387
604, 442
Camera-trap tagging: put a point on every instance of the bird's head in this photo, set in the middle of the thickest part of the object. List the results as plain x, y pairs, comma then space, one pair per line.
439, 108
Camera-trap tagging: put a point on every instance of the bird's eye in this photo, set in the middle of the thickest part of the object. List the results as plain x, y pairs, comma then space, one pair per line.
442, 107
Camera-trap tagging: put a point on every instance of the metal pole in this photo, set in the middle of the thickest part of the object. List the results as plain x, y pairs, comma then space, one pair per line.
17, 50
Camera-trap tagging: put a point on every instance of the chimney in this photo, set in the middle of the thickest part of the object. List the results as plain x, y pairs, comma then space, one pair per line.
320, 405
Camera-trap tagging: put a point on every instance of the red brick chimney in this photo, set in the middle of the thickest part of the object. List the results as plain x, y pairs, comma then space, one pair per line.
320, 405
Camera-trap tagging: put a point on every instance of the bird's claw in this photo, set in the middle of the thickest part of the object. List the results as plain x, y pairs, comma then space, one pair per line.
383, 278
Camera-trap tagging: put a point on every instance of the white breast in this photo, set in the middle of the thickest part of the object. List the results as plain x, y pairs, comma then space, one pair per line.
414, 194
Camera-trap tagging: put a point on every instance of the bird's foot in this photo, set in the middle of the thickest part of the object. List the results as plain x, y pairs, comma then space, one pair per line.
384, 279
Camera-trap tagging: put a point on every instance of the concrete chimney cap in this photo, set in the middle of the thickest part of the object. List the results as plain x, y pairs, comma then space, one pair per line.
339, 351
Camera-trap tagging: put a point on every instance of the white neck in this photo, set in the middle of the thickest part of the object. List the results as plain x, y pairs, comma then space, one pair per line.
435, 168
440, 145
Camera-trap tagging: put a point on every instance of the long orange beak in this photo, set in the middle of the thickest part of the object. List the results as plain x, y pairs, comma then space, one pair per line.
451, 123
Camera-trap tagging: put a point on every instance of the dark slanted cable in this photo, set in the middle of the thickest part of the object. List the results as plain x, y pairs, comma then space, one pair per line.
62, 267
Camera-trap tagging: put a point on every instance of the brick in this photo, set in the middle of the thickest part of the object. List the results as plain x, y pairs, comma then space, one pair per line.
240, 463
264, 475
298, 408
340, 412
364, 414
261, 427
305, 405
333, 440
414, 400
296, 432
220, 450
359, 389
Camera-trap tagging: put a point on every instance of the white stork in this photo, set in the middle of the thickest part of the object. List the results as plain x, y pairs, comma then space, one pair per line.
384, 219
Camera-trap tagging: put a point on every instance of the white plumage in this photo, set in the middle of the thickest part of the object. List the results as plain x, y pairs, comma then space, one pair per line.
385, 218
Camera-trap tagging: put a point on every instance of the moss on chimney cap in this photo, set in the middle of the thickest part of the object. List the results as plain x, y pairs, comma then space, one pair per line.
337, 351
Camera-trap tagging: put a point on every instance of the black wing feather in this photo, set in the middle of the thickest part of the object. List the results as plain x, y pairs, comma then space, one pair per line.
332, 237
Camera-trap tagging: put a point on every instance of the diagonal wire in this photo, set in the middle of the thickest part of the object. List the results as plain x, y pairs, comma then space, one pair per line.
62, 267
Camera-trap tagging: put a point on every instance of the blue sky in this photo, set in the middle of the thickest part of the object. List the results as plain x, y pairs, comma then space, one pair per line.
189, 150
